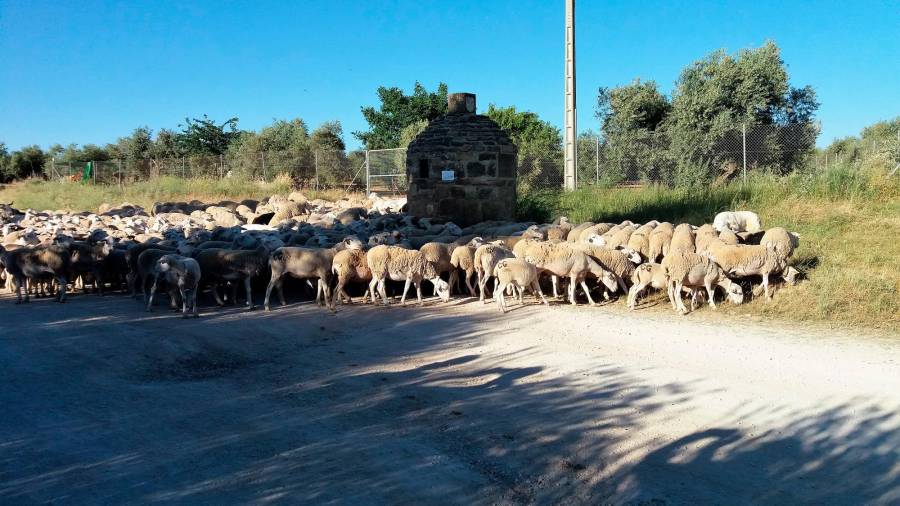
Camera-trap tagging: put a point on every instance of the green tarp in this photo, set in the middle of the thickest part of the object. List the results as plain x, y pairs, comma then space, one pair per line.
88, 171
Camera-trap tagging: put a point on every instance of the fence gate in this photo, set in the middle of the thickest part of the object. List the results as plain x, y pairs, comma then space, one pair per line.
386, 170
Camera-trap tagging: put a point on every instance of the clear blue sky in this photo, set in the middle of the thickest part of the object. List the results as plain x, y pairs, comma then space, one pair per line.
90, 71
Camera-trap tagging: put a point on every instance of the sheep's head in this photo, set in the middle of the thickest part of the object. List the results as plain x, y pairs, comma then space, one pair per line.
352, 242
164, 263
735, 293
442, 288
632, 255
475, 242
609, 280
596, 240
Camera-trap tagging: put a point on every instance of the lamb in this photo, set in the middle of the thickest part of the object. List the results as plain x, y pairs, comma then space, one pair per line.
518, 274
749, 260
439, 254
350, 265
785, 242
659, 241
306, 263
486, 258
573, 264
26, 263
683, 269
131, 259
737, 221
682, 239
644, 275
400, 264
463, 259
221, 265
181, 273
145, 268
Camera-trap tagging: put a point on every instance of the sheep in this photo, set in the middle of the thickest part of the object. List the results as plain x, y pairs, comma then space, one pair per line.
644, 275
400, 264
620, 237
683, 269
598, 229
703, 237
519, 274
28, 263
145, 268
619, 262
131, 259
535, 246
115, 268
463, 259
749, 260
737, 221
439, 254
659, 241
682, 239
729, 237
486, 258
87, 258
571, 263
575, 233
640, 239
181, 273
220, 265
785, 242
350, 265
306, 263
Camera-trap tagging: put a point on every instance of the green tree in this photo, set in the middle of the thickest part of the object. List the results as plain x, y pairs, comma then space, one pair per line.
539, 144
636, 106
329, 136
398, 111
4, 162
205, 137
283, 146
412, 130
26, 162
137, 146
167, 145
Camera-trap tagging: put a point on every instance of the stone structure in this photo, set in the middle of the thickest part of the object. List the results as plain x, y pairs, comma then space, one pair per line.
462, 167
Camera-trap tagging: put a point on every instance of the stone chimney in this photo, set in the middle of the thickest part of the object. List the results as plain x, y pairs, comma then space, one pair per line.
461, 103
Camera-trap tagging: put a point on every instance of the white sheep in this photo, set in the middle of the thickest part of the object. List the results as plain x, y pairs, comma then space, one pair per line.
486, 258
691, 270
563, 260
181, 274
749, 260
350, 265
400, 264
519, 274
645, 275
659, 241
785, 242
737, 221
463, 259
682, 239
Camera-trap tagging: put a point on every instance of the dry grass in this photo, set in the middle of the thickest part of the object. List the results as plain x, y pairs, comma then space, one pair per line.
39, 194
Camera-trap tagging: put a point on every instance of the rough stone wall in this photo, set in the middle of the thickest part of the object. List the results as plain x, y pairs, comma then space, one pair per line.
483, 160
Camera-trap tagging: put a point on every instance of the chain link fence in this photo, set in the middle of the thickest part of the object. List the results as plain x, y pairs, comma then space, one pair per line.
625, 159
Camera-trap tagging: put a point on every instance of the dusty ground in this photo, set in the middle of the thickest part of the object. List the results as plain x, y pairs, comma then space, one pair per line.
105, 404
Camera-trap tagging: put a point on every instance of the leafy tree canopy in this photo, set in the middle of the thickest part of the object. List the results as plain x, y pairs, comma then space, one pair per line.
397, 111
533, 136
638, 105
203, 136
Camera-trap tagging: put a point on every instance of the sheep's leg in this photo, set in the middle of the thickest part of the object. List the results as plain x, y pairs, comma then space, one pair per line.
194, 301
419, 291
454, 281
173, 298
500, 298
765, 283
215, 291
184, 303
481, 282
572, 285
98, 283
17, 283
339, 293
130, 281
669, 290
405, 289
249, 293
554, 281
469, 284
152, 293
272, 283
234, 290
536, 288
711, 291
677, 290
622, 285
588, 293
383, 291
61, 293
373, 285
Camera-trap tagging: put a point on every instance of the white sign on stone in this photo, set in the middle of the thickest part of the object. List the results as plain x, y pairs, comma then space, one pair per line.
448, 175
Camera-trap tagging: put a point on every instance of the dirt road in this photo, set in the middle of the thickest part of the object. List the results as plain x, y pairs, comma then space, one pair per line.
105, 404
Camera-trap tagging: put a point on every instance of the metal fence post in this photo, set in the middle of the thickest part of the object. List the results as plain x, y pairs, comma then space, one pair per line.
317, 169
744, 142
597, 159
94, 170
119, 164
367, 172
221, 166
262, 156
182, 168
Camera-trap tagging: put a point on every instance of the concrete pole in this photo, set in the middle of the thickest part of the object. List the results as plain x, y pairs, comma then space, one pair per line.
571, 130
744, 144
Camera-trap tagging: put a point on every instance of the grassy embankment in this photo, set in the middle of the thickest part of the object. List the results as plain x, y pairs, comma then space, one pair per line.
849, 221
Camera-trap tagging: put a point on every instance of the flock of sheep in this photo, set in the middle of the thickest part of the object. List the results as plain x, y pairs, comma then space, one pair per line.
186, 248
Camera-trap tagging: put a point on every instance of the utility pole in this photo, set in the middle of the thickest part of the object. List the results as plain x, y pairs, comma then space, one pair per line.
571, 131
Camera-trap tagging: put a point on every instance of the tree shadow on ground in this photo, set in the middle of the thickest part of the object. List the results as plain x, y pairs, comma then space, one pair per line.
108, 404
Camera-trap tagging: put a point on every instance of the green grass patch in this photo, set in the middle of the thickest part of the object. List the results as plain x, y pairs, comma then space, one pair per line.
849, 222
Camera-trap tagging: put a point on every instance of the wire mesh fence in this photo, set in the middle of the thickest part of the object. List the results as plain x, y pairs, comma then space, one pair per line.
623, 159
